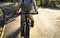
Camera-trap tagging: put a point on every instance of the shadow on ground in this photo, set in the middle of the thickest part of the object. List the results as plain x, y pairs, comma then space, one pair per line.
15, 34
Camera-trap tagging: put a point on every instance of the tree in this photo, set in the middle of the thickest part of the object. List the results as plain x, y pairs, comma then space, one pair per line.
40, 2
46, 3
1, 0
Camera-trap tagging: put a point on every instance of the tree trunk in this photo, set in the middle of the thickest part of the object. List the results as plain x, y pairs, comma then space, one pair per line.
40, 2
46, 3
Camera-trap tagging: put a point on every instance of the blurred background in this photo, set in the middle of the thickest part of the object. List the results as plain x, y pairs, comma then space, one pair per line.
45, 3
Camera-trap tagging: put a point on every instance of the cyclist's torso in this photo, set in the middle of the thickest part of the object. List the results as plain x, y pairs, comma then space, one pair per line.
27, 5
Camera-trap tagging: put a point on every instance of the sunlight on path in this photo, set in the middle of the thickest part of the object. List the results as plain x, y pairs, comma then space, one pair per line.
46, 25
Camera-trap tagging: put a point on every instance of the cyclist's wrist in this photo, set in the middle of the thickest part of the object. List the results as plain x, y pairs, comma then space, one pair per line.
35, 9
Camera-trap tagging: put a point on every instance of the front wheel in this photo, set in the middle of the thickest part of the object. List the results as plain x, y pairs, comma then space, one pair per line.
22, 28
26, 30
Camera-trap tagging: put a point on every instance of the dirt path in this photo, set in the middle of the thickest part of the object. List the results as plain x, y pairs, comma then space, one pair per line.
47, 25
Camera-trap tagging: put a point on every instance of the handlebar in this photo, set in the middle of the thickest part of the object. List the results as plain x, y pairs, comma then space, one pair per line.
29, 13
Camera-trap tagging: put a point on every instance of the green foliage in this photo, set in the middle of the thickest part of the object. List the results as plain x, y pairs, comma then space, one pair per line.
1, 29
38, 2
1, 17
52, 3
1, 14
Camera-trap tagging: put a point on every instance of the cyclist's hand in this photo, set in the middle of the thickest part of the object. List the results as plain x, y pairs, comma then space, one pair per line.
36, 12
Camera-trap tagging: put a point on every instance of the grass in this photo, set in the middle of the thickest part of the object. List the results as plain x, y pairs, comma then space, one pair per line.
1, 16
1, 28
38, 3
58, 6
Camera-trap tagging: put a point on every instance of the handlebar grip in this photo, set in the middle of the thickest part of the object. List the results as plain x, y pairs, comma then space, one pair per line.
37, 12
29, 13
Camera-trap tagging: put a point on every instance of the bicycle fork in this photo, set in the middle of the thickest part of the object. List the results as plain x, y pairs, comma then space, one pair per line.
26, 28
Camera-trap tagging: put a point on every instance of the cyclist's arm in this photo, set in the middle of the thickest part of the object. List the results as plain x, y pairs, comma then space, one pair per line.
34, 4
19, 5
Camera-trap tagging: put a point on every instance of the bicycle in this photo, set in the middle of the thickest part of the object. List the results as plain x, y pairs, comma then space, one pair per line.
27, 24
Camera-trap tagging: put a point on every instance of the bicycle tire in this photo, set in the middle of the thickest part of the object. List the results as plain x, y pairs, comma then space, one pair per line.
26, 30
22, 31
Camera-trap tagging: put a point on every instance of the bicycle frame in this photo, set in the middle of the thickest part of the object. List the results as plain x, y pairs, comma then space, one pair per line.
26, 29
27, 24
